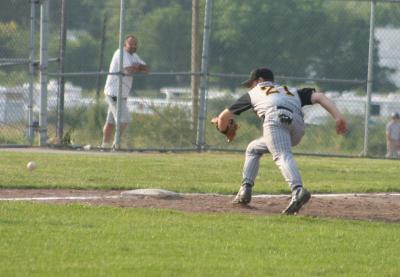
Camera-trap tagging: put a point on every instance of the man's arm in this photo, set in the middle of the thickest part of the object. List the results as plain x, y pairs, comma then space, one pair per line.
327, 104
137, 68
242, 104
222, 120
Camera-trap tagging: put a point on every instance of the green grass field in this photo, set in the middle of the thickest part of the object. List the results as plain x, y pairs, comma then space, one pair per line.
76, 240
190, 172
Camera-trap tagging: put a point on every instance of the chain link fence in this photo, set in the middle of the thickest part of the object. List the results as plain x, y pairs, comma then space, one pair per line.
14, 72
322, 44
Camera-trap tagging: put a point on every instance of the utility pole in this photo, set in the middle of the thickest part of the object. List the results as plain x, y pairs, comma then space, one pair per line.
195, 63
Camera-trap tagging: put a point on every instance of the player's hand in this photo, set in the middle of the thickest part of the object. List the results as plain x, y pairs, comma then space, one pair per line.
229, 131
341, 126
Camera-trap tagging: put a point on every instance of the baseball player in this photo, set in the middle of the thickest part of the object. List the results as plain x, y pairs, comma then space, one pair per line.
132, 63
393, 136
280, 109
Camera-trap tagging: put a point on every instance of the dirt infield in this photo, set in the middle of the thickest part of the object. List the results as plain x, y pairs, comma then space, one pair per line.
380, 207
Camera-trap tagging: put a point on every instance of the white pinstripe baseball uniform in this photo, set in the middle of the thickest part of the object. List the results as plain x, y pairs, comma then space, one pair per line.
283, 127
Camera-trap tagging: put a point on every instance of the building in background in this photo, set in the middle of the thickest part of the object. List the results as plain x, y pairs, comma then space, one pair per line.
389, 50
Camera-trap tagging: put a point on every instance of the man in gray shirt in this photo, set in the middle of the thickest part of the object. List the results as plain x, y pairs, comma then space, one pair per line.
393, 137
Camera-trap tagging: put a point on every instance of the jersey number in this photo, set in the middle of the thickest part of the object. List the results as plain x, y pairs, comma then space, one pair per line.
271, 90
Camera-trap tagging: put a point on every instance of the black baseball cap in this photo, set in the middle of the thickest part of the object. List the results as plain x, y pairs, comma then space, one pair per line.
262, 72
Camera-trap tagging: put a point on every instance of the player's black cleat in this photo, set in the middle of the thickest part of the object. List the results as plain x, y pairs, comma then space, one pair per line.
300, 196
244, 195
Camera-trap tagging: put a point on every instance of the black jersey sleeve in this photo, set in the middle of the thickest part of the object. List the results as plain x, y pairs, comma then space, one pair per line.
305, 95
241, 105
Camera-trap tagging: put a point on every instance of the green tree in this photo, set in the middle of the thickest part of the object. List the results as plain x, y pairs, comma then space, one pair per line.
14, 38
324, 39
296, 38
167, 50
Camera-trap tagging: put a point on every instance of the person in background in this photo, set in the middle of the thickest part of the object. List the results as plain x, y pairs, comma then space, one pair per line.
393, 137
132, 63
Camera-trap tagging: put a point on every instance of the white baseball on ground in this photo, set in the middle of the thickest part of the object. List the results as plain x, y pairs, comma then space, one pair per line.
87, 147
31, 165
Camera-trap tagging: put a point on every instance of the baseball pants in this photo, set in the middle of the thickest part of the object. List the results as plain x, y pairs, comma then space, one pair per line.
278, 139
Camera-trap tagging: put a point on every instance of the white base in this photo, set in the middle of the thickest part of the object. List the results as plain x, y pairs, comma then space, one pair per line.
158, 193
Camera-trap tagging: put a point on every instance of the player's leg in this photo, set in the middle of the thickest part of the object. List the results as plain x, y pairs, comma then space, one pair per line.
107, 133
279, 142
387, 148
254, 151
108, 126
125, 118
391, 149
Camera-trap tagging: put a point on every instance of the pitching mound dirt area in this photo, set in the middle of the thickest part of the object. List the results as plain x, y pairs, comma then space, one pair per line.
380, 207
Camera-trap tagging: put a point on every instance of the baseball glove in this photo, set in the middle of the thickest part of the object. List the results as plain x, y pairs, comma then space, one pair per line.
230, 131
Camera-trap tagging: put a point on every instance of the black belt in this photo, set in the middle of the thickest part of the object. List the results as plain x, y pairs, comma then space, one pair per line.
278, 108
283, 108
114, 98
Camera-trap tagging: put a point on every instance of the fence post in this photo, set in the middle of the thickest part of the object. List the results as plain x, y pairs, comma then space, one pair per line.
31, 130
44, 34
120, 76
370, 76
200, 141
61, 83
101, 57
195, 62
